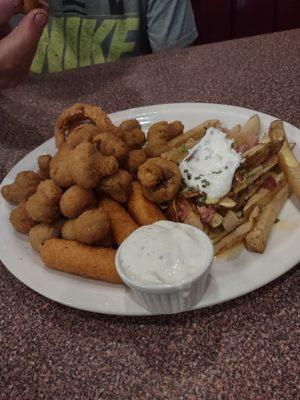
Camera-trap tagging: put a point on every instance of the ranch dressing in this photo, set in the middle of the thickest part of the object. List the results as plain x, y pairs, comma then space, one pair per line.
165, 253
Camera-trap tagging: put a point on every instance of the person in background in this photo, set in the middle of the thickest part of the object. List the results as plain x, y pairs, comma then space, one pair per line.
82, 33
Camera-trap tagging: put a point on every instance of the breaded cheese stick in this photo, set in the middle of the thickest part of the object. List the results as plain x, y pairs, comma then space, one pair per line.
121, 222
79, 259
141, 209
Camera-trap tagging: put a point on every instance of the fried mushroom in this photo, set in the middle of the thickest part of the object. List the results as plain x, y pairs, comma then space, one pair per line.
60, 168
119, 186
159, 134
131, 132
42, 232
43, 206
20, 219
111, 145
25, 184
92, 227
75, 200
81, 134
44, 161
136, 158
88, 166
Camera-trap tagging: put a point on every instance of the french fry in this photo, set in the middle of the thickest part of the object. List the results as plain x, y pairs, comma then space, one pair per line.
141, 209
238, 234
234, 132
121, 222
265, 139
287, 159
231, 221
177, 154
276, 131
255, 173
195, 133
257, 155
250, 129
216, 236
79, 259
256, 239
291, 167
263, 196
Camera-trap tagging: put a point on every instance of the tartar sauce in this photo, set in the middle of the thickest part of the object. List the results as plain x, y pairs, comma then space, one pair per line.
165, 253
210, 165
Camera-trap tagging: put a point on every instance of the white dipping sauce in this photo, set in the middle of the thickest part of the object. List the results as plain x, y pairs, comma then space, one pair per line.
211, 164
165, 253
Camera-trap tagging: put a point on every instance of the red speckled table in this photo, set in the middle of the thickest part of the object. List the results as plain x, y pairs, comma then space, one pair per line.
245, 349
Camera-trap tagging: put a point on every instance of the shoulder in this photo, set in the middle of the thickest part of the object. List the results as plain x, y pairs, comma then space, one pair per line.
171, 23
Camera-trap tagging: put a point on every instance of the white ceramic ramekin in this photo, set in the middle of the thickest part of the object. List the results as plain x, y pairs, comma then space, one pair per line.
171, 298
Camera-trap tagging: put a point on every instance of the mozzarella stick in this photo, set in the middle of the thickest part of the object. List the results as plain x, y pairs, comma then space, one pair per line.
121, 222
141, 209
79, 259
256, 239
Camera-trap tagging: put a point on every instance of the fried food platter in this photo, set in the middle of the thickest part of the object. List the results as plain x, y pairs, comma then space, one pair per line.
234, 273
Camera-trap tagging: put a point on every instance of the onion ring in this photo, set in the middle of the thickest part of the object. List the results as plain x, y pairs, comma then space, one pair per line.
160, 179
77, 113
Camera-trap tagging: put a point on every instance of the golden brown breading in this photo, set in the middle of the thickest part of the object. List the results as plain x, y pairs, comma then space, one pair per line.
82, 133
131, 132
77, 113
43, 206
159, 134
44, 165
121, 222
76, 258
42, 232
142, 210
60, 168
24, 186
91, 227
135, 159
119, 186
75, 200
160, 179
20, 219
88, 166
110, 145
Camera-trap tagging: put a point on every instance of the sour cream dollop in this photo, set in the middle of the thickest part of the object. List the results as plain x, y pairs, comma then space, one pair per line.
165, 253
210, 165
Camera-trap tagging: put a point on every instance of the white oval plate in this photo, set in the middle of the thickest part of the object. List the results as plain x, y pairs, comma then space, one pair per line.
234, 275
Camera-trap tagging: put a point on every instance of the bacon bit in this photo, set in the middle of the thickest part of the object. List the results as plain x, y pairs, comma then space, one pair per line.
182, 212
224, 130
270, 183
206, 213
250, 142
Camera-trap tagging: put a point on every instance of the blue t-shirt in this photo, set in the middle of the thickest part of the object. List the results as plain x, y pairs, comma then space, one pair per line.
82, 33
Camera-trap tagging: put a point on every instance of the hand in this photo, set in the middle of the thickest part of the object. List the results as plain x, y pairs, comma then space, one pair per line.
18, 47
